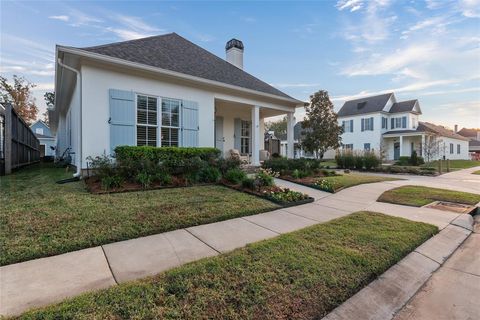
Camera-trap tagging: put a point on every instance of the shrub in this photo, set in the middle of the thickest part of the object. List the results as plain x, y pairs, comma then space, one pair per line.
287, 166
403, 161
159, 154
298, 174
106, 170
145, 179
285, 195
228, 164
278, 164
235, 175
264, 177
110, 182
371, 160
209, 174
348, 160
163, 177
358, 160
248, 183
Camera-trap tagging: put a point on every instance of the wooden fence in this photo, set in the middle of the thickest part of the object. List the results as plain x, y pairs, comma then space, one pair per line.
19, 145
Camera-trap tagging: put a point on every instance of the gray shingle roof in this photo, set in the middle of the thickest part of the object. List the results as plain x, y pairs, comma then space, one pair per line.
175, 53
403, 106
364, 105
430, 127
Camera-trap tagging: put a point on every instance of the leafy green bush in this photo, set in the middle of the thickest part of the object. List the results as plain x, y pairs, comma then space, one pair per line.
403, 161
169, 154
105, 169
287, 166
265, 177
209, 174
285, 195
235, 175
299, 174
324, 185
145, 179
227, 164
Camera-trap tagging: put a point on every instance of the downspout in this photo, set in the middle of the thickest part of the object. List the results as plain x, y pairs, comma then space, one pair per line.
79, 83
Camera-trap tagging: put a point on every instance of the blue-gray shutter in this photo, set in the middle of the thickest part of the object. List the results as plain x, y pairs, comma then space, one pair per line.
122, 118
371, 127
363, 124
351, 125
392, 123
190, 126
237, 133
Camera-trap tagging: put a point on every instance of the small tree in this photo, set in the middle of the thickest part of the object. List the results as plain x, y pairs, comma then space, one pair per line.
50, 101
279, 127
431, 148
320, 127
20, 95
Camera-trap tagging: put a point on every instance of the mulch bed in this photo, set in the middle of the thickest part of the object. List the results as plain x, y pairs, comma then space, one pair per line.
94, 186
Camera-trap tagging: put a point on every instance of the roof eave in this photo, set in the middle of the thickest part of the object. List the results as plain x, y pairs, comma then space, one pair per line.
179, 75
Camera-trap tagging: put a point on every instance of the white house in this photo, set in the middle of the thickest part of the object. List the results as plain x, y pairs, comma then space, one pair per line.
383, 123
160, 91
44, 135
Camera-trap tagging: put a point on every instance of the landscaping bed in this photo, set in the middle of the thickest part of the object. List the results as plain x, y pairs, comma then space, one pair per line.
40, 218
418, 196
271, 279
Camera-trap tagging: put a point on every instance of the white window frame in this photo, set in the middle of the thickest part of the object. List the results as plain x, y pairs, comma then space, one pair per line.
458, 148
245, 137
143, 124
451, 148
170, 127
347, 126
39, 130
348, 146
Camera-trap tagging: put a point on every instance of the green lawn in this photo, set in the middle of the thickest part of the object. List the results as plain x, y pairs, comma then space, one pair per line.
41, 218
352, 179
271, 279
476, 172
329, 163
455, 164
418, 196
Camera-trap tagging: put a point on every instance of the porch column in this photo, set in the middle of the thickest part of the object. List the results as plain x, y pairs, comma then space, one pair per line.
422, 145
401, 146
290, 126
256, 135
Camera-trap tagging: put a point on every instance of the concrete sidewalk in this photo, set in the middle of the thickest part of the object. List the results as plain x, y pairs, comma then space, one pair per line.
453, 292
48, 280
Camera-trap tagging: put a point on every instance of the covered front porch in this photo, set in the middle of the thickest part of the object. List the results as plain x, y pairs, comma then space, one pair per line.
398, 145
240, 125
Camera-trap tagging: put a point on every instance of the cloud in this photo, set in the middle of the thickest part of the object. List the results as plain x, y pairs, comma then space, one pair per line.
134, 23
470, 8
132, 27
125, 34
80, 18
393, 62
374, 22
61, 18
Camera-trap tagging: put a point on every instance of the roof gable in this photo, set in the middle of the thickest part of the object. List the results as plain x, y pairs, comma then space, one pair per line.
364, 105
440, 130
406, 106
175, 53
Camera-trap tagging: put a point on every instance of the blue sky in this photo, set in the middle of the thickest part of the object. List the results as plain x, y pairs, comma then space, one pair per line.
426, 49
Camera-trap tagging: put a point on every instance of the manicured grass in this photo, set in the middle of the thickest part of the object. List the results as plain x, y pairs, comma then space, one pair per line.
329, 163
476, 172
418, 196
455, 164
352, 179
273, 279
41, 218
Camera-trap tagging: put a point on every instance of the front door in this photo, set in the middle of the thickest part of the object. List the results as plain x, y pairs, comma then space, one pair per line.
396, 151
219, 138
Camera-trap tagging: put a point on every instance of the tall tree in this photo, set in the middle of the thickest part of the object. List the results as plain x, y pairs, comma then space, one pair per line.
279, 127
50, 101
20, 95
320, 126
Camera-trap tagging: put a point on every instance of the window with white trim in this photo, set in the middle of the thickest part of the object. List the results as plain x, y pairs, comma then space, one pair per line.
170, 122
147, 121
367, 124
366, 146
458, 149
347, 126
348, 146
245, 137
384, 123
451, 148
39, 130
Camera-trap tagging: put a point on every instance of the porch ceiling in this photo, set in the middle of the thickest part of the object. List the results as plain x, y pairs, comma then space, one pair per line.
265, 112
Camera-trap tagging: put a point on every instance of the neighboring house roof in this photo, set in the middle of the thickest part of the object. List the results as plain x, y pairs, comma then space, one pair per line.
364, 105
475, 143
403, 106
432, 128
442, 131
469, 133
175, 53
42, 136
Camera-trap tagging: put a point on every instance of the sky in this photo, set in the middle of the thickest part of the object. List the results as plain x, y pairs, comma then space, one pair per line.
420, 49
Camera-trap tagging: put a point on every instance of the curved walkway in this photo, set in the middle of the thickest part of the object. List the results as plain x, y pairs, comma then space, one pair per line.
48, 280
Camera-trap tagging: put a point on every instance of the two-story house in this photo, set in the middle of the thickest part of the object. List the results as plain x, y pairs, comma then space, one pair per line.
383, 123
44, 135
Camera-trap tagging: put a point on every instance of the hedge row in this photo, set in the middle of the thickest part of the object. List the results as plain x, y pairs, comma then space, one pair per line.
164, 154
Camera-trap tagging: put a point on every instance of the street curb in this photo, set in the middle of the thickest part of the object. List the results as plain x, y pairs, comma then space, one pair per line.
383, 298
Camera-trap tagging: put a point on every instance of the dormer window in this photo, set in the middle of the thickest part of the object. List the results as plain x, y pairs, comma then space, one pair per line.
362, 104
